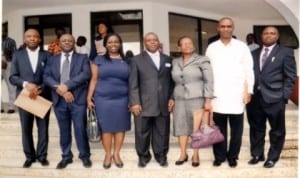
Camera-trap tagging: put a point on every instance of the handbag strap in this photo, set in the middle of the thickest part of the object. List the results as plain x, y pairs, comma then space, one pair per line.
92, 115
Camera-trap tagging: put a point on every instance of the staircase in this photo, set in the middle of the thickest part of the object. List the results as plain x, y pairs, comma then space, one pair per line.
12, 157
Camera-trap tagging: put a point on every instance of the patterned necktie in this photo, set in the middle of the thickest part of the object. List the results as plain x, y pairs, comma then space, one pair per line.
264, 58
65, 69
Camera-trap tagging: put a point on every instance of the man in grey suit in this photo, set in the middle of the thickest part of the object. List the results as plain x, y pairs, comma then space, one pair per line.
275, 73
151, 88
27, 71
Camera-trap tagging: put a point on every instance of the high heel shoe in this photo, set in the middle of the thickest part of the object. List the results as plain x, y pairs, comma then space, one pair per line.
118, 164
180, 162
195, 164
107, 166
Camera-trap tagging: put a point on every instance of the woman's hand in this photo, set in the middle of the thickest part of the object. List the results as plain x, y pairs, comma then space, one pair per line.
90, 104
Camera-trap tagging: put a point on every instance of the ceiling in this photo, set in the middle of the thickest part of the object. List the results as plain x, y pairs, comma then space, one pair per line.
248, 9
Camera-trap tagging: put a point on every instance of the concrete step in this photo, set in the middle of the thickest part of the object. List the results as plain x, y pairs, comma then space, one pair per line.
12, 157
284, 168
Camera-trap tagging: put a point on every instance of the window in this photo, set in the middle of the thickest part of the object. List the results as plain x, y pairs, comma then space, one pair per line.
46, 25
128, 24
199, 29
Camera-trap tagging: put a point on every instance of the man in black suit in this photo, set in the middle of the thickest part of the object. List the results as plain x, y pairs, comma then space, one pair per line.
275, 73
68, 74
27, 71
151, 87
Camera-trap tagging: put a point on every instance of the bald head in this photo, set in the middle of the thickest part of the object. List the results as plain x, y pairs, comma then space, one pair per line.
32, 38
151, 42
67, 42
225, 28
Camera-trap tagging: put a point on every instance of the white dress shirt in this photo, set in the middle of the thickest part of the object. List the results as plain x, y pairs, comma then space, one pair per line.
155, 58
232, 66
33, 57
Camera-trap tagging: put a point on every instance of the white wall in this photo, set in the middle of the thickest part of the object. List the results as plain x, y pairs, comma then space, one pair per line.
155, 18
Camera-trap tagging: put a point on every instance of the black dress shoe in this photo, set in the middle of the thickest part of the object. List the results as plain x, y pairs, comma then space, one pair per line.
163, 163
142, 162
232, 162
217, 162
10, 111
2, 110
180, 162
44, 162
87, 163
256, 159
118, 164
63, 163
269, 164
28, 163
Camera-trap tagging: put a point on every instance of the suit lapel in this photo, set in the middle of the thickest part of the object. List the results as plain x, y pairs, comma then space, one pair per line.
40, 63
192, 59
27, 62
149, 60
271, 56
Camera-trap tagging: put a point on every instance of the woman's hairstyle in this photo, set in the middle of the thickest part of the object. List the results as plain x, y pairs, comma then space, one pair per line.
106, 38
181, 38
108, 26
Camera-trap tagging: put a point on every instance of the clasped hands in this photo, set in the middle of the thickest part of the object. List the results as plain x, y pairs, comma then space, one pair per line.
62, 90
33, 89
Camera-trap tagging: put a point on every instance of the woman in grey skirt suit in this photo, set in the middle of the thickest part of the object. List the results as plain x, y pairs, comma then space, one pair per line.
193, 90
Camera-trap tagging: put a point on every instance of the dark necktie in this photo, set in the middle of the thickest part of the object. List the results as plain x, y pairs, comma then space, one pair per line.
65, 69
264, 58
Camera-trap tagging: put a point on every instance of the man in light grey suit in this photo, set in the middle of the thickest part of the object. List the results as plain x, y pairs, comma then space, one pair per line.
151, 87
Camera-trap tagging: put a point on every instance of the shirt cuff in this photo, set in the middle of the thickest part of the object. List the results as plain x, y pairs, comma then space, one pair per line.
24, 84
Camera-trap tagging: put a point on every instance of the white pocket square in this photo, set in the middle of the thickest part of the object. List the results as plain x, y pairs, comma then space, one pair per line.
167, 65
273, 59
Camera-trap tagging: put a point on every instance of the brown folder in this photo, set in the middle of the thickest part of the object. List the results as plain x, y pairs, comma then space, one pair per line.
39, 106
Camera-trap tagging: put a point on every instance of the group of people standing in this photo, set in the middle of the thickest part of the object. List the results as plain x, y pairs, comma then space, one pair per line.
151, 85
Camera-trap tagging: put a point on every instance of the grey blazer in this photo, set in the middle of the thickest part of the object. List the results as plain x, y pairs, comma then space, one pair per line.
193, 79
149, 87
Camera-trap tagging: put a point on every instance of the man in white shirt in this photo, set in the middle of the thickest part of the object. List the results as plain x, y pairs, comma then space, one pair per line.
27, 71
232, 66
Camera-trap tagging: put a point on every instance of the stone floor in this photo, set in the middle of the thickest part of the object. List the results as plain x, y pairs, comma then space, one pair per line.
12, 157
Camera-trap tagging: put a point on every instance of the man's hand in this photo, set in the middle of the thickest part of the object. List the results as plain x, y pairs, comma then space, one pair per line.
136, 110
33, 90
61, 89
247, 98
68, 96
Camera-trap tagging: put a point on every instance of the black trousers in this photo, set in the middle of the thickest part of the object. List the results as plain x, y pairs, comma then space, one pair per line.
236, 131
258, 112
154, 130
27, 120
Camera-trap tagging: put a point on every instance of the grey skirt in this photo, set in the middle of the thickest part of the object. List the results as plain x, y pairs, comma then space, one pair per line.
183, 115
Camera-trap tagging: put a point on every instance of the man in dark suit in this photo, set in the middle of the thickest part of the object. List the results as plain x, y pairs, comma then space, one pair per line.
151, 87
68, 74
275, 73
27, 71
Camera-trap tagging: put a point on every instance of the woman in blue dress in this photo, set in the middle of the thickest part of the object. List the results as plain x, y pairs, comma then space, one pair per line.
108, 93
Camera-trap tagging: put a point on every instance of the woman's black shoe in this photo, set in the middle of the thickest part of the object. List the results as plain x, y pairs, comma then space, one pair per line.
180, 162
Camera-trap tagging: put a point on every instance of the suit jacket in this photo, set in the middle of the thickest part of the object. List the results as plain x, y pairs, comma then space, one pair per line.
149, 87
79, 77
21, 71
193, 79
276, 79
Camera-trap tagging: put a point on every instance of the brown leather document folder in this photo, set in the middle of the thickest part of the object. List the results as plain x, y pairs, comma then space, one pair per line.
39, 106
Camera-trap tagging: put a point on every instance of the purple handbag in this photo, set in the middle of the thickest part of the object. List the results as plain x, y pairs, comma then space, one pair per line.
202, 140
